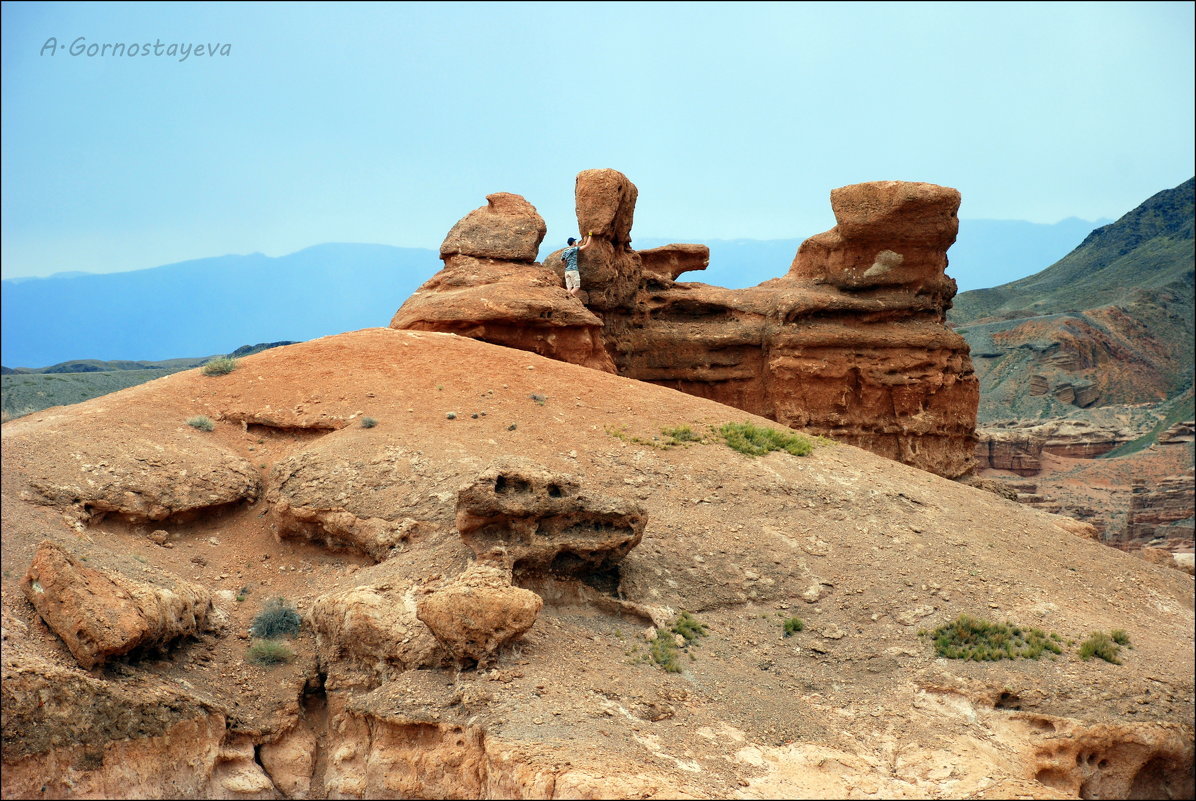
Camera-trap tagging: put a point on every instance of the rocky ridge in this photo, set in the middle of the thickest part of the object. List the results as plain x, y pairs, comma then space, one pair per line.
850, 343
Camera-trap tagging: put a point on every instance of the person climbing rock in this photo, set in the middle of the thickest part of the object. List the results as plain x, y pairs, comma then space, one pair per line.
569, 257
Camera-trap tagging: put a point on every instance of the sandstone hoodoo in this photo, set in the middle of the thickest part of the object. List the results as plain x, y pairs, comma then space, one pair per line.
850, 343
493, 289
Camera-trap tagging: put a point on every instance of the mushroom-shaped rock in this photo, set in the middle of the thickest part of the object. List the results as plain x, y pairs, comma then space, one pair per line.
507, 228
101, 614
529, 519
478, 613
887, 234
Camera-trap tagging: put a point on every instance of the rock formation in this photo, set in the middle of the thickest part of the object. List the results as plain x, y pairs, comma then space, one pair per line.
100, 614
491, 288
528, 519
1161, 514
477, 613
370, 633
866, 551
851, 343
1019, 448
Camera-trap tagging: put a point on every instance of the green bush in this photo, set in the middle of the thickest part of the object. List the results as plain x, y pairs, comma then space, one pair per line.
1103, 646
201, 422
689, 627
680, 434
793, 625
269, 652
664, 650
277, 619
755, 440
222, 366
983, 641
368, 422
1120, 636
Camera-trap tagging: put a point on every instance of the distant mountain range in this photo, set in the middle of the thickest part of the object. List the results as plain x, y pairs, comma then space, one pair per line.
207, 305
213, 305
1109, 323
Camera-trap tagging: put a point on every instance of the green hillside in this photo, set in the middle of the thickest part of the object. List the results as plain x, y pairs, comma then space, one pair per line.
1110, 323
25, 390
1151, 247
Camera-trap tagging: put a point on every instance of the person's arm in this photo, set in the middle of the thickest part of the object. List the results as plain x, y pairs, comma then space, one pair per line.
586, 244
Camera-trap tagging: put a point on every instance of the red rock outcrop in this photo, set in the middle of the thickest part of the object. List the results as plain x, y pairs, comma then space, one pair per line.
478, 612
100, 614
527, 519
851, 343
1161, 514
492, 289
670, 261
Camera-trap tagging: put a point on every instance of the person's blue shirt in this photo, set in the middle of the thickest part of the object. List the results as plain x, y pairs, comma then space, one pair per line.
570, 257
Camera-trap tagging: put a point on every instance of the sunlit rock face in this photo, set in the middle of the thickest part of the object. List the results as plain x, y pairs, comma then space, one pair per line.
850, 343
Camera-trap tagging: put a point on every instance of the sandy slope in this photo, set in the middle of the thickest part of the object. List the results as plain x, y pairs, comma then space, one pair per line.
866, 551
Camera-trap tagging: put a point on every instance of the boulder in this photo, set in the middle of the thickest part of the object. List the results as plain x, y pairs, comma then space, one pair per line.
605, 205
887, 234
529, 519
100, 614
140, 478
492, 289
506, 228
371, 631
478, 612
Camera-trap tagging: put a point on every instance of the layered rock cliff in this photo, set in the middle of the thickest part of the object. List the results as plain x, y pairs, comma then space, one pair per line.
850, 343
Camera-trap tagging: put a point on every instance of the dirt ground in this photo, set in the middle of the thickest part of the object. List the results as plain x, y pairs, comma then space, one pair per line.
865, 551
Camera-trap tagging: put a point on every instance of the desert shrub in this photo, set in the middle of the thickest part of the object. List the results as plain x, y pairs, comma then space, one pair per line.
1120, 636
201, 422
664, 652
220, 366
793, 625
1103, 646
980, 640
681, 434
755, 440
368, 422
672, 437
688, 627
269, 652
277, 619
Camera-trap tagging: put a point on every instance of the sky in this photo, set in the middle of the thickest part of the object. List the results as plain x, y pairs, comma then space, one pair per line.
387, 122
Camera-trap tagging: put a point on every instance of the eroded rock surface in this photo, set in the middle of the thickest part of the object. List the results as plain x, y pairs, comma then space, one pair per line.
371, 630
529, 519
850, 343
478, 612
100, 614
491, 288
140, 478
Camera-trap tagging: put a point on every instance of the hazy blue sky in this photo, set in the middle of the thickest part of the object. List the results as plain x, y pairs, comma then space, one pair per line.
388, 122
